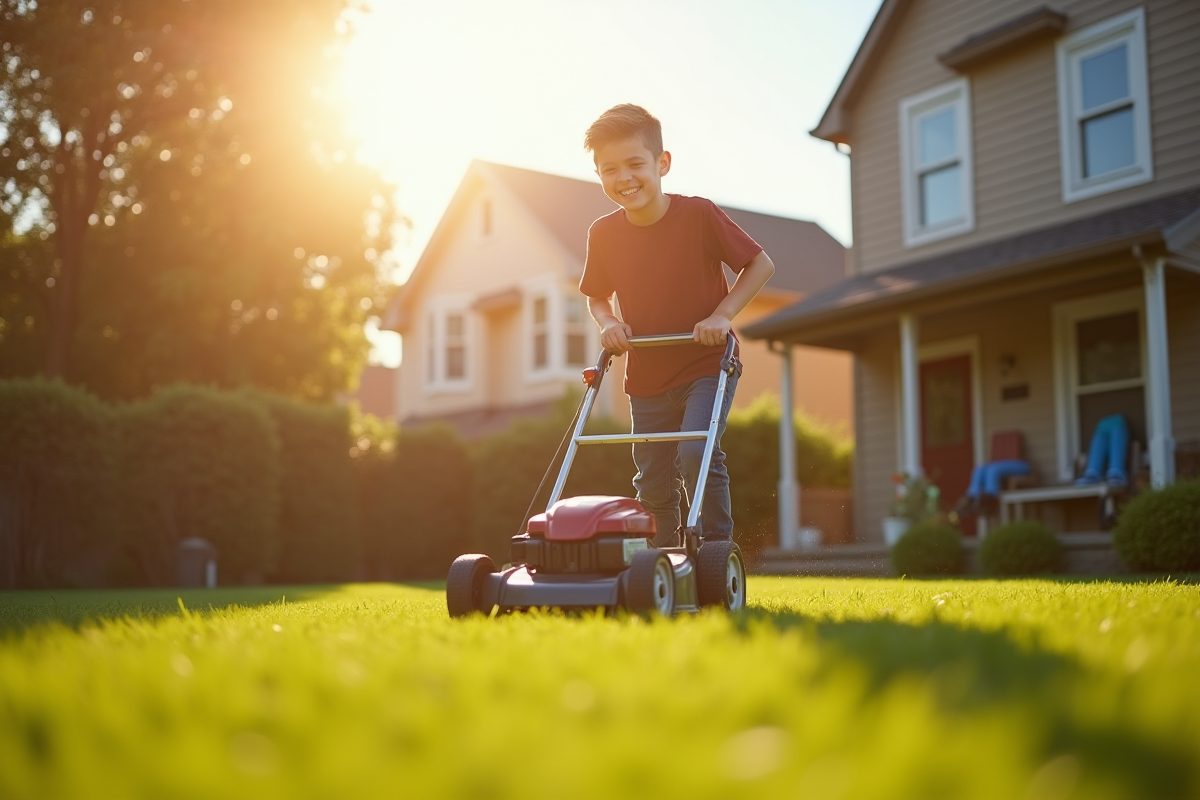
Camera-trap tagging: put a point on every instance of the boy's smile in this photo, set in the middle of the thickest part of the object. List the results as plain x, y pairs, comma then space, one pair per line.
632, 178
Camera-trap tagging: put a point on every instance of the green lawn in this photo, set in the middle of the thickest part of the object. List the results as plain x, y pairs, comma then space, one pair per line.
824, 688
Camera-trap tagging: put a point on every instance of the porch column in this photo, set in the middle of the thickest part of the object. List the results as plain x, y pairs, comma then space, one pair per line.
910, 410
789, 489
1162, 442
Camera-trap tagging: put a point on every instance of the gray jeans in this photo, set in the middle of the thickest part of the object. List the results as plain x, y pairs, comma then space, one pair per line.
665, 467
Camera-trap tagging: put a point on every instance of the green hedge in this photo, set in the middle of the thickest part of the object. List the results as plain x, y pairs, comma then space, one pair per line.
200, 462
1020, 548
318, 525
58, 450
93, 494
1159, 531
928, 548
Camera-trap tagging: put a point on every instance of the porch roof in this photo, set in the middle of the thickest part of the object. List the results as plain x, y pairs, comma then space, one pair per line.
891, 290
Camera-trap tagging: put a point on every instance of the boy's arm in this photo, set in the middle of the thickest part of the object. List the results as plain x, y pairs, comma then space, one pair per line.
614, 334
753, 277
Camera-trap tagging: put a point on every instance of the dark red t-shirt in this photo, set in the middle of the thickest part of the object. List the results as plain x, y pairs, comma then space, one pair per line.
667, 277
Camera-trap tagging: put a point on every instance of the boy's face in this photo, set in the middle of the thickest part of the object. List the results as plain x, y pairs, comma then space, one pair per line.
631, 174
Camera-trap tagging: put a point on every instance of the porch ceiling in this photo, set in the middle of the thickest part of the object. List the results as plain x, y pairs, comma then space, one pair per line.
840, 314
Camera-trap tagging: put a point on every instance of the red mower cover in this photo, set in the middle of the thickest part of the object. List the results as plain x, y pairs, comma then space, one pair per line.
578, 518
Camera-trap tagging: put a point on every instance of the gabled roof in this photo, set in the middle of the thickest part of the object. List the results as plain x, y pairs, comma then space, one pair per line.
834, 124
1151, 222
806, 257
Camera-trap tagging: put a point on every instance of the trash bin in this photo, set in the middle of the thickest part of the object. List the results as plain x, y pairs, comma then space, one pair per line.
197, 563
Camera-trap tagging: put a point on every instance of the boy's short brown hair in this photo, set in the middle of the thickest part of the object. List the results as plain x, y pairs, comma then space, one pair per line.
624, 122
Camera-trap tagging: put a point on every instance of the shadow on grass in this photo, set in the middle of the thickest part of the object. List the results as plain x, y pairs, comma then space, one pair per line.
73, 607
968, 671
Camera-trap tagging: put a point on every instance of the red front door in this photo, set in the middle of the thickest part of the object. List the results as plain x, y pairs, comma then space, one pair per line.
947, 441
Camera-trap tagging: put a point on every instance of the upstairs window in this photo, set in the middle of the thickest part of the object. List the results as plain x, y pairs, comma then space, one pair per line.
1104, 107
935, 158
485, 218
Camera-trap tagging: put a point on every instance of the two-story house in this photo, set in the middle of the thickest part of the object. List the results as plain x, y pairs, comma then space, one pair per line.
494, 327
1026, 211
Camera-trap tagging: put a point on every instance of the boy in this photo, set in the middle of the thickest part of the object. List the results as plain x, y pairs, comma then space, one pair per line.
661, 255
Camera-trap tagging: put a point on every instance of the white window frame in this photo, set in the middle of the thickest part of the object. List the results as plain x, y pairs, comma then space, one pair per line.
546, 328
956, 93
583, 326
1129, 28
1066, 365
437, 314
556, 329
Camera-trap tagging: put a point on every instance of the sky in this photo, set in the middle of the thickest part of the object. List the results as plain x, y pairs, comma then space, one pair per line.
737, 85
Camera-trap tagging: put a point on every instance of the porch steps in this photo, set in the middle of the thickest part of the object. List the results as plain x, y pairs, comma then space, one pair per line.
839, 560
1083, 554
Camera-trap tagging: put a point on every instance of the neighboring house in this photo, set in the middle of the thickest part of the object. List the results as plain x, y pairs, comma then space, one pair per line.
1026, 208
494, 328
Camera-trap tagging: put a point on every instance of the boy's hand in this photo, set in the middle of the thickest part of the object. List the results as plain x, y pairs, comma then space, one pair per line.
614, 337
712, 331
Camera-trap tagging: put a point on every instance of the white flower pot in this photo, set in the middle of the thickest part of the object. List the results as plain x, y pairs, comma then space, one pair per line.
893, 529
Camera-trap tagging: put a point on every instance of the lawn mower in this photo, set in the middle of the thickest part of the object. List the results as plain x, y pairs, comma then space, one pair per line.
593, 551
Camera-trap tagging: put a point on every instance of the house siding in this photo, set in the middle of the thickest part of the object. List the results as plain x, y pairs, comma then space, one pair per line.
1014, 98
516, 252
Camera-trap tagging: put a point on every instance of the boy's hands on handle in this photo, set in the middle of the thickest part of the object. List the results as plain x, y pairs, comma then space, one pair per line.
614, 337
712, 331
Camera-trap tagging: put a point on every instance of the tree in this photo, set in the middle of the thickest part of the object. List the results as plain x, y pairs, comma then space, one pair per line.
181, 172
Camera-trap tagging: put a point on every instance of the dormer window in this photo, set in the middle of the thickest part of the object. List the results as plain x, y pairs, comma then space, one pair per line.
1104, 107
935, 156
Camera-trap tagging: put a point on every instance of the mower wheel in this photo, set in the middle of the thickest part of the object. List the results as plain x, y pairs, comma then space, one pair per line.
464, 584
721, 575
650, 584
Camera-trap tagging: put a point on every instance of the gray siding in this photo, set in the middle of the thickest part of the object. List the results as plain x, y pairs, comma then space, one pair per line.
1015, 127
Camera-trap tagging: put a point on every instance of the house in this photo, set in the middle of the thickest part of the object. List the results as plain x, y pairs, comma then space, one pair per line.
1026, 211
494, 328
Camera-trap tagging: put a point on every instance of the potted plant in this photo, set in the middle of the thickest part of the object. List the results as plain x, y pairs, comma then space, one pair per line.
915, 500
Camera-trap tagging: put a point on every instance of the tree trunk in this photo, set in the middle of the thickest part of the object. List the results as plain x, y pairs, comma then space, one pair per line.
74, 199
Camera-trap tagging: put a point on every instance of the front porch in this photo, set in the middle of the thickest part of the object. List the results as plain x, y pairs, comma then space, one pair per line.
1043, 334
1083, 554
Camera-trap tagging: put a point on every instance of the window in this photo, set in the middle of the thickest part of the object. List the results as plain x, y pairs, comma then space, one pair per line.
447, 347
456, 346
485, 217
1104, 108
576, 332
1101, 369
935, 157
541, 336
558, 331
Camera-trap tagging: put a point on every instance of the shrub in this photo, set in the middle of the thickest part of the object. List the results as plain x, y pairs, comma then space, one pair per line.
318, 521
928, 548
57, 481
201, 462
1020, 548
824, 458
431, 485
1159, 531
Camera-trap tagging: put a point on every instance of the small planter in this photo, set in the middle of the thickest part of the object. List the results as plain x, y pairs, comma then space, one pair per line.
894, 528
